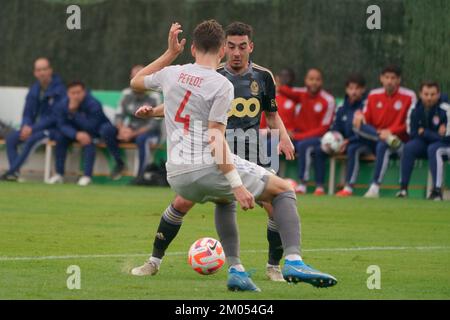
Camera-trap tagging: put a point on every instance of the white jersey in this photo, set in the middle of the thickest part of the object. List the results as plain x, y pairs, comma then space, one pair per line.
193, 95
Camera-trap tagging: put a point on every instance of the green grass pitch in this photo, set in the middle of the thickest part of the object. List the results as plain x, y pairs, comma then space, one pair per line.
105, 230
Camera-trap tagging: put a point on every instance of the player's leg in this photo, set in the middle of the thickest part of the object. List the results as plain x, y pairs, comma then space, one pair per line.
275, 252
437, 152
109, 134
304, 149
12, 143
320, 158
169, 225
413, 149
142, 142
354, 152
34, 141
285, 214
227, 229
382, 154
62, 145
89, 160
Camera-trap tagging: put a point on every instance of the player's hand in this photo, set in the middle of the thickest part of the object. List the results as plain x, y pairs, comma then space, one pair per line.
343, 146
287, 148
174, 46
384, 134
83, 138
421, 131
25, 132
144, 112
244, 197
358, 119
442, 130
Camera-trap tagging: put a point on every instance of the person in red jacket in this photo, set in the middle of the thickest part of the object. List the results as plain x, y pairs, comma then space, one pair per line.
311, 122
382, 124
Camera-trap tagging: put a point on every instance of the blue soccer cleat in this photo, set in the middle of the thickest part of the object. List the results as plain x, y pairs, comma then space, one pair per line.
240, 281
298, 271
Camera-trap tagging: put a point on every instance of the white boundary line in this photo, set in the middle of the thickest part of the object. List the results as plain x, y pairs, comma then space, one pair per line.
132, 255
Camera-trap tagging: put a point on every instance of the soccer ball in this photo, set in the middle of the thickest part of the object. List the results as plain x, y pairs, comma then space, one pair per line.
206, 256
331, 142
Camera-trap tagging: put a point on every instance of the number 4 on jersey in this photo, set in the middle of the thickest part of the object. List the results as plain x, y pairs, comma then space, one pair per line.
186, 119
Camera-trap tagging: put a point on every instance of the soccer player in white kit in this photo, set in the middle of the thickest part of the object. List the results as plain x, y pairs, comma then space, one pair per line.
200, 166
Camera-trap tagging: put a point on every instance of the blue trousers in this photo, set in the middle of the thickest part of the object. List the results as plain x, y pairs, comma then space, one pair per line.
305, 149
354, 151
412, 150
16, 159
438, 152
62, 144
109, 134
142, 142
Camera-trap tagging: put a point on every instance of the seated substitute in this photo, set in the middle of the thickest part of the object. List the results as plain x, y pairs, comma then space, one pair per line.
428, 126
81, 119
132, 129
313, 120
355, 88
38, 123
381, 127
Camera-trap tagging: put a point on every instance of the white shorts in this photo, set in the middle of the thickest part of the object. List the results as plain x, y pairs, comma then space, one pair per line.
210, 185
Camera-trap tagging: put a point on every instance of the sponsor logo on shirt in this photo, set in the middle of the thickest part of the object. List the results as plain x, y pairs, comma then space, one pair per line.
254, 88
398, 105
436, 120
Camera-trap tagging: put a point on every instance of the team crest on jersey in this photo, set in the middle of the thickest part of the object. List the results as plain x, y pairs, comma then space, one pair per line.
288, 104
344, 118
51, 100
398, 105
436, 120
254, 88
379, 105
318, 107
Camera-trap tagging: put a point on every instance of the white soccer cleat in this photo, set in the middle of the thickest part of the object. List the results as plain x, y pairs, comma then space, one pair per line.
149, 268
84, 181
273, 273
373, 192
57, 178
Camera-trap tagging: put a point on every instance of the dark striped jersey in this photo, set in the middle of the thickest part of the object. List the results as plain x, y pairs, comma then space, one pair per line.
254, 92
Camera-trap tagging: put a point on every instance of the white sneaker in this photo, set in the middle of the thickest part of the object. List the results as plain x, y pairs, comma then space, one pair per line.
373, 192
273, 273
300, 189
57, 178
149, 268
84, 181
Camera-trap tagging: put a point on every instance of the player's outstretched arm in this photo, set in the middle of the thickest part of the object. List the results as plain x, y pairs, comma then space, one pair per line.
147, 112
174, 49
222, 155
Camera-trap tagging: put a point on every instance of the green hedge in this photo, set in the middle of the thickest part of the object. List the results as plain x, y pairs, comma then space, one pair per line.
330, 34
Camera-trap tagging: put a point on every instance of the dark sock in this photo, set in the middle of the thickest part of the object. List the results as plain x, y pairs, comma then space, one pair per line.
275, 245
168, 229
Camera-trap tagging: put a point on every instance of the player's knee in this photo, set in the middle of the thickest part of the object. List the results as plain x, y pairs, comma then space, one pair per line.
182, 204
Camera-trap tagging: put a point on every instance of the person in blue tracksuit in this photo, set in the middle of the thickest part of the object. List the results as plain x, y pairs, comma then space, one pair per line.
38, 123
428, 126
80, 118
343, 122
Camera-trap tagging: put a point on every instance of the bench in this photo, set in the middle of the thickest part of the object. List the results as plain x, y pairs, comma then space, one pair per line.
49, 145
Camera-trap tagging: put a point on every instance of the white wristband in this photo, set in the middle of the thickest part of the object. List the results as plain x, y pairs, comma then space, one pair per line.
234, 179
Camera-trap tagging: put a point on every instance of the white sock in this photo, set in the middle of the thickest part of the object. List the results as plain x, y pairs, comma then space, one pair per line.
155, 260
238, 267
272, 265
293, 257
348, 188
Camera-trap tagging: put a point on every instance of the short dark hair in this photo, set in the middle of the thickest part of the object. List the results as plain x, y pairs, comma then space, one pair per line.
208, 36
42, 58
314, 69
392, 68
357, 79
429, 84
76, 83
238, 28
